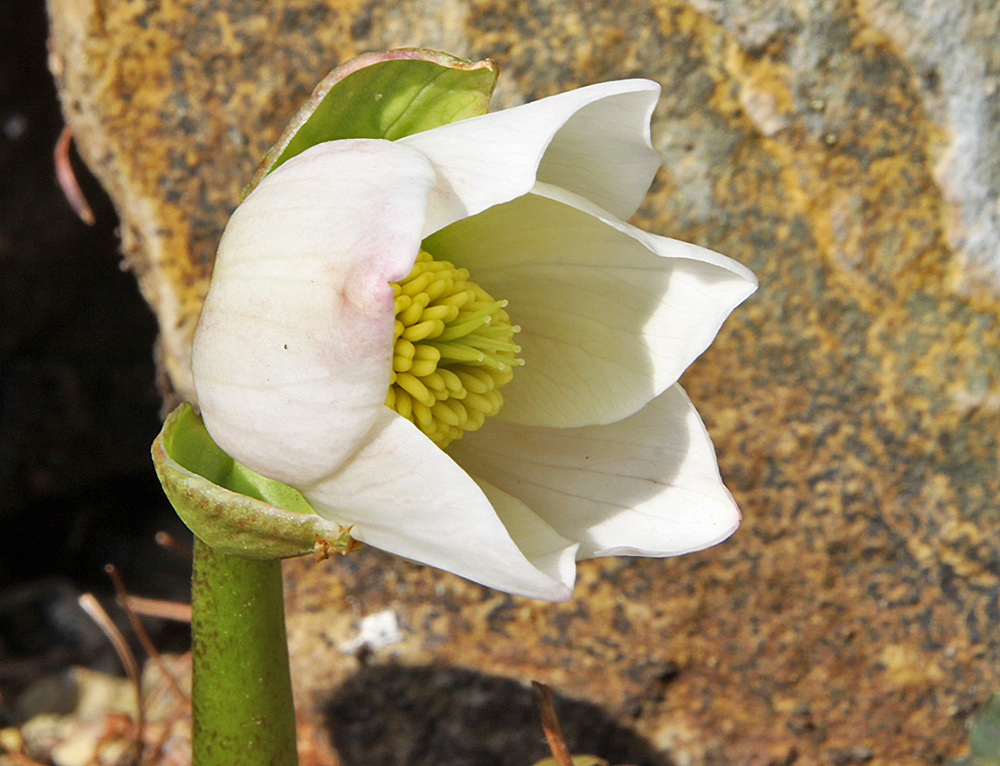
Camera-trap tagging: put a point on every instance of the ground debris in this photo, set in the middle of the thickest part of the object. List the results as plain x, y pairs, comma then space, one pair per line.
89, 719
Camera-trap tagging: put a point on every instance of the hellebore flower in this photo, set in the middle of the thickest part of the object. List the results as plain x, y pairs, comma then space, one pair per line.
454, 343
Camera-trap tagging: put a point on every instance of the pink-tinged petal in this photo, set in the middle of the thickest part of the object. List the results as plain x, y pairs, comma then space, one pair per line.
402, 494
293, 351
593, 141
646, 486
610, 316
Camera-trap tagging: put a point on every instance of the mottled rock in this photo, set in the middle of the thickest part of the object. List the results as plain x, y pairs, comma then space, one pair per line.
847, 152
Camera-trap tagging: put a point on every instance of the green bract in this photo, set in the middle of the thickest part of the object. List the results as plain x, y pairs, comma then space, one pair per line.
385, 95
230, 507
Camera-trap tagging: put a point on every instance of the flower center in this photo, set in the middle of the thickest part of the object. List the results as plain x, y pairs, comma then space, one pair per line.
454, 348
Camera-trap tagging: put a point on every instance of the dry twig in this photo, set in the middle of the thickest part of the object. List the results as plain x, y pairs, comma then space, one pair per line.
96, 612
154, 607
553, 732
140, 630
172, 544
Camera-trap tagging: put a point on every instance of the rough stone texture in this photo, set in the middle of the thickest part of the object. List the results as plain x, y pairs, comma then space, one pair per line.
847, 152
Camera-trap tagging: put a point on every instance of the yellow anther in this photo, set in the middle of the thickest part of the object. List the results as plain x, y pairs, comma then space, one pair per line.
474, 383
488, 403
423, 330
476, 420
412, 313
417, 285
424, 351
422, 414
458, 300
453, 349
403, 404
502, 377
404, 348
459, 409
402, 302
445, 313
415, 388
439, 287
452, 382
442, 411
435, 382
420, 368
401, 363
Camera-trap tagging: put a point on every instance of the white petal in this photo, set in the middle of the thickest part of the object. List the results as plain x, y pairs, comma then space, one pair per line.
610, 315
593, 141
293, 350
646, 486
540, 543
604, 152
402, 494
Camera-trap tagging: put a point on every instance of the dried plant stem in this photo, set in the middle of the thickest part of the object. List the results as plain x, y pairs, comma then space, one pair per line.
140, 630
242, 710
96, 612
553, 732
154, 607
172, 544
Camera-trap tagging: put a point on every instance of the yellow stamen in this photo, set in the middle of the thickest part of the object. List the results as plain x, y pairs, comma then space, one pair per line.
454, 347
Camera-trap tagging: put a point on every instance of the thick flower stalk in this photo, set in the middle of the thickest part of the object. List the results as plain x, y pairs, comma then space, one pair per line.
455, 345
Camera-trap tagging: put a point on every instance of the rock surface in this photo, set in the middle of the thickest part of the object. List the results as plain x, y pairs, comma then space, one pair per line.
848, 153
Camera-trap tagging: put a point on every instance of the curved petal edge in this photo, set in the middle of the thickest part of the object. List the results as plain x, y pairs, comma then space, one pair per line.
402, 494
648, 485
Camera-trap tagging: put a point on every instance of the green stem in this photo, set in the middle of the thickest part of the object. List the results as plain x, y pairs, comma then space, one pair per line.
241, 690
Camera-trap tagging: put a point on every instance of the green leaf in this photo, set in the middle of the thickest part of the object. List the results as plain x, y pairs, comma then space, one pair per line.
984, 741
228, 506
385, 95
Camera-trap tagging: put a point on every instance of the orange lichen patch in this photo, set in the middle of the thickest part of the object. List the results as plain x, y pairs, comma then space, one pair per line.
172, 117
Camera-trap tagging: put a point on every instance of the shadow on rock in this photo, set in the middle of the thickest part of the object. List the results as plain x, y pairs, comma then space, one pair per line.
390, 715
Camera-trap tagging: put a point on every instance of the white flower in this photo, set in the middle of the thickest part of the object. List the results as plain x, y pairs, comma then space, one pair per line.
596, 450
